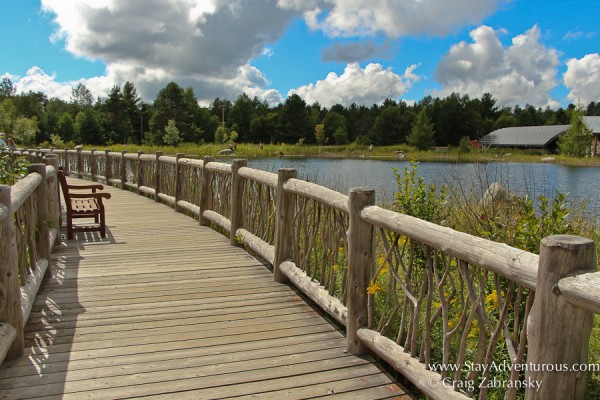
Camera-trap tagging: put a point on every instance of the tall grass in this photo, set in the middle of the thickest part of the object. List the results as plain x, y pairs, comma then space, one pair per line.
498, 215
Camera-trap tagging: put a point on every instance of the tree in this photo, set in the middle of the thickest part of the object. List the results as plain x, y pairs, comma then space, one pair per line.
66, 128
171, 136
391, 127
81, 97
88, 127
25, 130
422, 135
333, 121
294, 119
320, 134
577, 140
7, 88
340, 135
221, 135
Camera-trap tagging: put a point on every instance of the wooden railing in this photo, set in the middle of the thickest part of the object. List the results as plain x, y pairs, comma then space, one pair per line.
418, 295
29, 218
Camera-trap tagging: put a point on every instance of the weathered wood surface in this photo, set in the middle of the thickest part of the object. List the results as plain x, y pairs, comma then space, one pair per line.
166, 308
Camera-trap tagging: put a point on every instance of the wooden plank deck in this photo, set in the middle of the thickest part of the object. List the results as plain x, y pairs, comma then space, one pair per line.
165, 308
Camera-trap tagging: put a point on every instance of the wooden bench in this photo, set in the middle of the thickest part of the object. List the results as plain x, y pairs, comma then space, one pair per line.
83, 205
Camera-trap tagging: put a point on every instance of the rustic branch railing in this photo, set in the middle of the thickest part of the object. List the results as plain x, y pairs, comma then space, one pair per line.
29, 217
417, 294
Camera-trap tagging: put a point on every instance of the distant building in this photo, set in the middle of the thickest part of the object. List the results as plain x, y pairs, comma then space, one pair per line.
525, 137
594, 124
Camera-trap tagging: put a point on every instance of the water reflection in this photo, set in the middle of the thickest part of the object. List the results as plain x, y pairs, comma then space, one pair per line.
582, 183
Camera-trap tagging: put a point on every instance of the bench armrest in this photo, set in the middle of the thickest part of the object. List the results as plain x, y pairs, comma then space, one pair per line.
89, 195
85, 187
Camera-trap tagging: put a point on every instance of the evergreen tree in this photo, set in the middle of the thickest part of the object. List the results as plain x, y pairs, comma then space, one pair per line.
171, 136
422, 135
577, 140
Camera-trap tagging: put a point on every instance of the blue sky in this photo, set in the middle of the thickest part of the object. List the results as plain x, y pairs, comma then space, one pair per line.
544, 53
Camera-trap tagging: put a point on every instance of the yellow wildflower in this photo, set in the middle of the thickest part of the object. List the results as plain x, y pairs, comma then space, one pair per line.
374, 288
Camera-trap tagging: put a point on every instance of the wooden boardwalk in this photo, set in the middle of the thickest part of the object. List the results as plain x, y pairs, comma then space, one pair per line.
165, 308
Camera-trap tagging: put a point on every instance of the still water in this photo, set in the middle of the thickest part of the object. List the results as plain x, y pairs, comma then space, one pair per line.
582, 183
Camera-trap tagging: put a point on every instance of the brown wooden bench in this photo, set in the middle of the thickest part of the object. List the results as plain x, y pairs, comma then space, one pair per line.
83, 205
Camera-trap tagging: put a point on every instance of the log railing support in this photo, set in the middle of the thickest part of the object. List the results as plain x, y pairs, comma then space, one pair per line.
94, 165
237, 189
558, 332
157, 176
123, 169
140, 171
54, 205
107, 167
178, 183
10, 292
79, 162
284, 227
205, 191
43, 217
360, 267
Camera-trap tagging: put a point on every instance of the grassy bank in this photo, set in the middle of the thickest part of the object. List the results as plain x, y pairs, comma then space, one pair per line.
358, 151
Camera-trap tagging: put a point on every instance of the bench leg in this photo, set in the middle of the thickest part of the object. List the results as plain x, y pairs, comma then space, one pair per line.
102, 224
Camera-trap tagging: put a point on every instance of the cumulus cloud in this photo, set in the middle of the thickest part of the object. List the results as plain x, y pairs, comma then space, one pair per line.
36, 80
367, 86
393, 18
201, 42
583, 79
522, 73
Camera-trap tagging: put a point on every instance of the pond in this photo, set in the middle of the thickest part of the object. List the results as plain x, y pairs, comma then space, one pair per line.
582, 183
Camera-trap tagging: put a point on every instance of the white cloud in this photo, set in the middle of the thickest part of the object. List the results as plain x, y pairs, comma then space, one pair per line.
522, 73
153, 42
36, 80
367, 86
393, 18
583, 78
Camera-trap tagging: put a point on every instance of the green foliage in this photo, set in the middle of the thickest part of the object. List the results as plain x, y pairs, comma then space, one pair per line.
171, 136
320, 134
419, 200
221, 135
464, 145
12, 168
422, 135
577, 140
25, 130
341, 136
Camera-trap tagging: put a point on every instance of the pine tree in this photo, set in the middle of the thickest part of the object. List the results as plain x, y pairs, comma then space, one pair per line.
577, 140
422, 133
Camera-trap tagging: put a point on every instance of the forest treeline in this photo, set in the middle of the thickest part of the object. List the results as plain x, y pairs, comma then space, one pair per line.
175, 116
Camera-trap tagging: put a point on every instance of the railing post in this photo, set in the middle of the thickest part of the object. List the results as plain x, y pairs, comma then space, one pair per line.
10, 292
284, 226
558, 332
107, 167
178, 156
43, 216
123, 169
79, 162
54, 196
237, 188
140, 171
360, 267
205, 190
94, 166
159, 154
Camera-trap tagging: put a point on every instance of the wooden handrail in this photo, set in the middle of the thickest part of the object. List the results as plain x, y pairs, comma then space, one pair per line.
26, 259
440, 250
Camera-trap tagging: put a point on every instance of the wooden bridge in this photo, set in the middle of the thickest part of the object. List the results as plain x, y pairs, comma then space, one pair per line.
173, 304
166, 307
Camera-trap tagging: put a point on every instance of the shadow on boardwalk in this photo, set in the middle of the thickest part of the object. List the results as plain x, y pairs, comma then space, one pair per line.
165, 308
